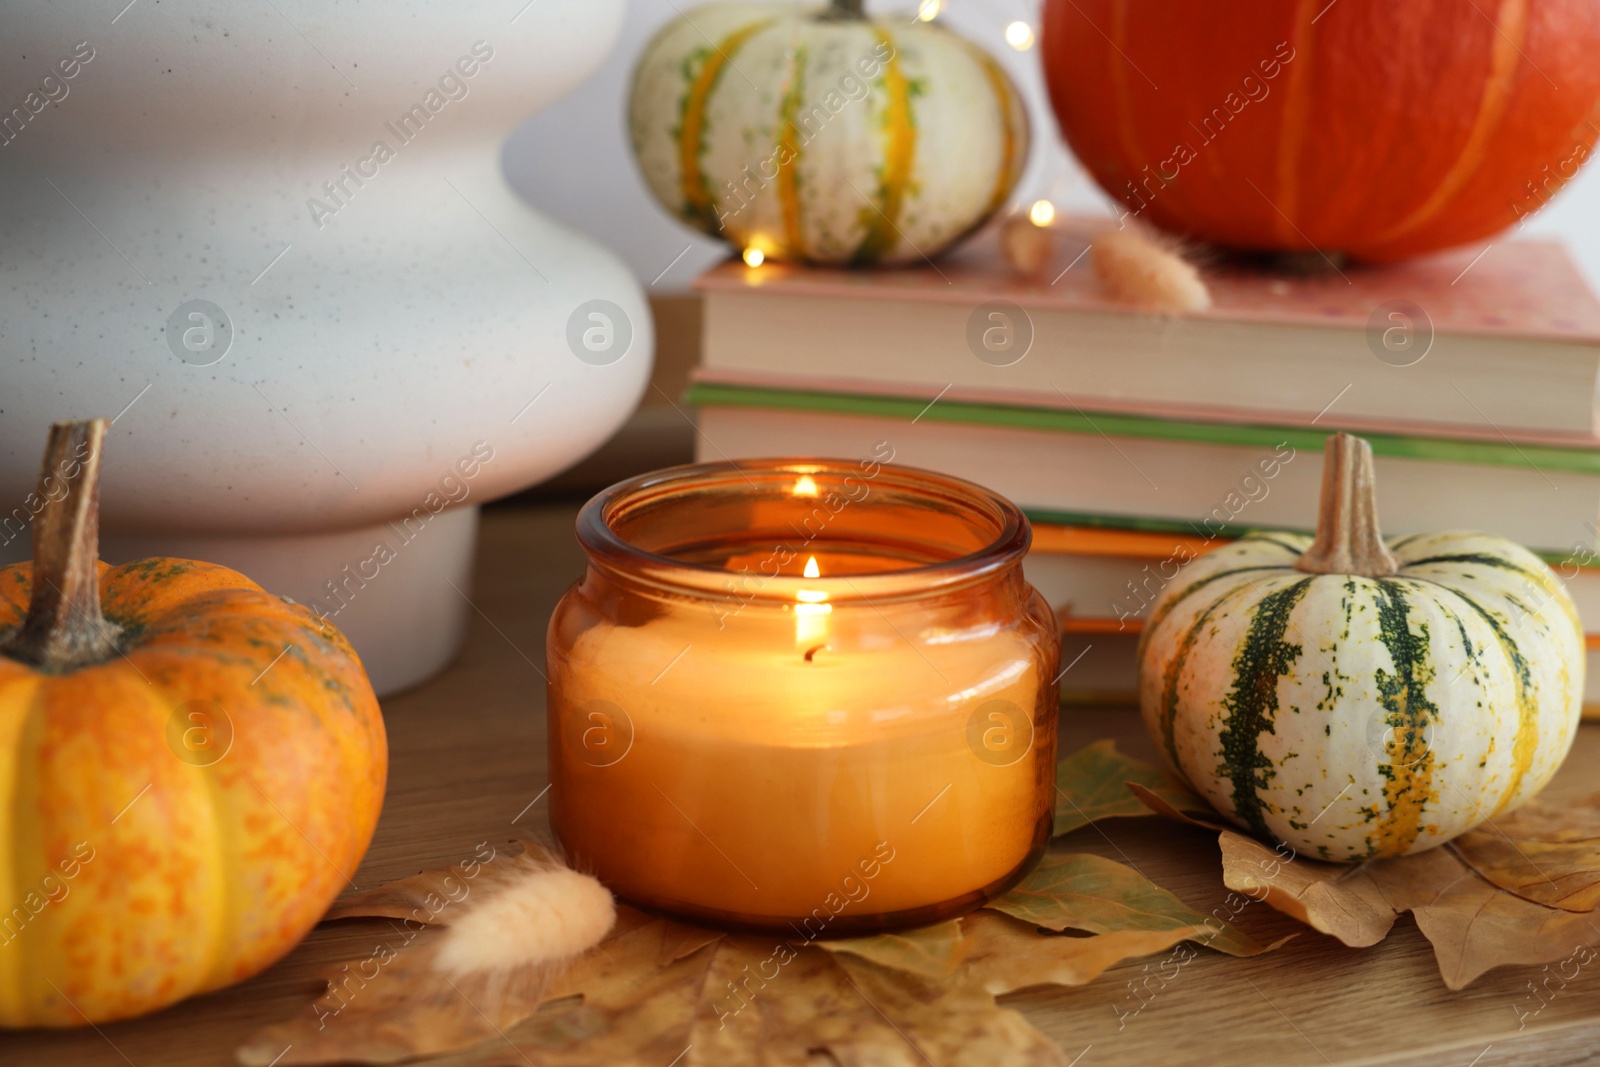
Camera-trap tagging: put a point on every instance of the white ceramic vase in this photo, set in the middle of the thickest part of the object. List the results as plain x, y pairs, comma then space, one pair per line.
274, 242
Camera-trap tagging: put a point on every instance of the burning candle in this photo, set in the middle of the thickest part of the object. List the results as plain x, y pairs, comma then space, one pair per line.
811, 611
810, 696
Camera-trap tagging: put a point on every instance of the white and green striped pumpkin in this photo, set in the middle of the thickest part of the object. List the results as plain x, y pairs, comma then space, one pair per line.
818, 134
1352, 699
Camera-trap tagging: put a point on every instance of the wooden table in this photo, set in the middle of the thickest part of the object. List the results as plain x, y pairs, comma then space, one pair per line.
468, 765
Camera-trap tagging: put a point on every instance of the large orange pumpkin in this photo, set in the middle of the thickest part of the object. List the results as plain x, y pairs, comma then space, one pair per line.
190, 768
1377, 128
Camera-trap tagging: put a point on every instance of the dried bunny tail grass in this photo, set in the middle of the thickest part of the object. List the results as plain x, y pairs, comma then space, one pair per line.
1137, 268
1027, 248
549, 913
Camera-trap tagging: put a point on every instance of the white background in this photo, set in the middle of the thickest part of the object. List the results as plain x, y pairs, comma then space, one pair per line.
573, 159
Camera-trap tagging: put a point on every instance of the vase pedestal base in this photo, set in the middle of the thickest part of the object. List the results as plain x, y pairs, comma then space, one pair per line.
387, 587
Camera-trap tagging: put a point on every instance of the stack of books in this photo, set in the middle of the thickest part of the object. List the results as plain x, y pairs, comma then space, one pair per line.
1136, 441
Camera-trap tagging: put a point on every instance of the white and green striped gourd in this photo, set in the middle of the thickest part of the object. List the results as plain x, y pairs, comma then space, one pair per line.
1353, 699
818, 134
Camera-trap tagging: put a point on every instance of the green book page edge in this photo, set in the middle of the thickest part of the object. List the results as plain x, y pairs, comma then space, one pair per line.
1144, 524
1535, 457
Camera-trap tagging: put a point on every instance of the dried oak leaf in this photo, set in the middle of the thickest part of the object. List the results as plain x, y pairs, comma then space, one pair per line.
1093, 784
1546, 853
1081, 891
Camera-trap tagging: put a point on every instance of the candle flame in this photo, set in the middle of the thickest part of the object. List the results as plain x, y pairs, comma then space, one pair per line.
810, 614
807, 486
812, 597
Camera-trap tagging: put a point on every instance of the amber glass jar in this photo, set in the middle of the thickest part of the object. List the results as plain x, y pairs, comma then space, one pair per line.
812, 696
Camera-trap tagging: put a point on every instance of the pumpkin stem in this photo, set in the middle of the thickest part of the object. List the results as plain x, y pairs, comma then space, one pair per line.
64, 628
1348, 539
844, 9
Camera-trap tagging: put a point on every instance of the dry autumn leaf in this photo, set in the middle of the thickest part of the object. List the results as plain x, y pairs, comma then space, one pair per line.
1197, 814
744, 1000
1507, 894
1003, 954
411, 996
658, 992
1549, 854
1080, 891
630, 1001
1475, 927
931, 951
1092, 784
861, 1014
1356, 904
1006, 954
1520, 890
1517, 891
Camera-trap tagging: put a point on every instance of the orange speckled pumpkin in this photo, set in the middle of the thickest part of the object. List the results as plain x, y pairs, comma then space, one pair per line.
1377, 128
186, 780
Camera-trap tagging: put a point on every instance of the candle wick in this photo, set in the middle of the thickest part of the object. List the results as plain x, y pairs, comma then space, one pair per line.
812, 651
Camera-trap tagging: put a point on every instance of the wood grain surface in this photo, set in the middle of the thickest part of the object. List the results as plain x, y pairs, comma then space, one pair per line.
468, 765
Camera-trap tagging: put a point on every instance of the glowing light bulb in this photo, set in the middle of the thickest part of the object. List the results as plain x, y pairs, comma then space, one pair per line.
806, 486
754, 257
1019, 35
929, 10
1042, 213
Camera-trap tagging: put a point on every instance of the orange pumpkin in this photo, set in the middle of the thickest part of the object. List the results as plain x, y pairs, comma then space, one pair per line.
1373, 128
190, 768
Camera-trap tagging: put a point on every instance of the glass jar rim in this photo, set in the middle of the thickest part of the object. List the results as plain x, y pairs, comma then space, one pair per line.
1011, 532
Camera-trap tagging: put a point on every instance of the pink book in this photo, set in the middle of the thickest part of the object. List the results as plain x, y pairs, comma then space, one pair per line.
1498, 341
